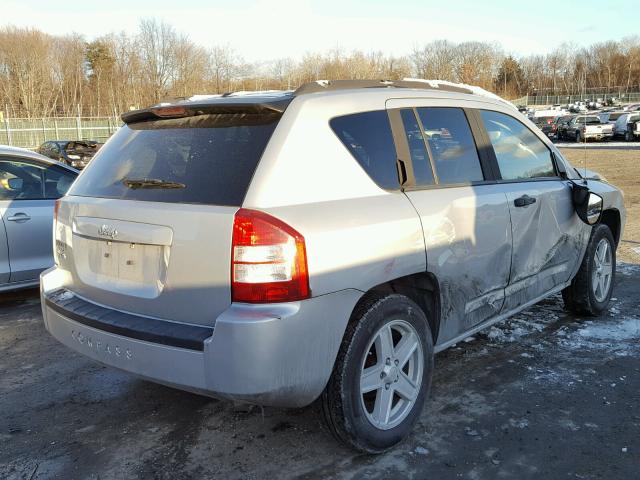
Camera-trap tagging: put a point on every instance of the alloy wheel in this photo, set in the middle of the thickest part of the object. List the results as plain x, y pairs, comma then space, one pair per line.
391, 374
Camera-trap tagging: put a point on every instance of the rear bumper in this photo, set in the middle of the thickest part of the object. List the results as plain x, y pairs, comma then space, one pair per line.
598, 136
277, 354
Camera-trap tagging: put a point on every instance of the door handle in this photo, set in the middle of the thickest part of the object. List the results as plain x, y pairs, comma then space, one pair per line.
19, 217
524, 200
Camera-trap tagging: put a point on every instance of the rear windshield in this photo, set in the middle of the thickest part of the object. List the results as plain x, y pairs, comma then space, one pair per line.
589, 120
206, 159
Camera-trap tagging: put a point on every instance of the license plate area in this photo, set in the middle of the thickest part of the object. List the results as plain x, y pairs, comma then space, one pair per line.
123, 267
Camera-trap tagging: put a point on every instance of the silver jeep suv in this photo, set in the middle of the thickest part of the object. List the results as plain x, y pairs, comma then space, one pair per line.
321, 244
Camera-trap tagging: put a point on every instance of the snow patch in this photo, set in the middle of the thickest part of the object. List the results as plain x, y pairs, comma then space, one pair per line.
62, 296
474, 89
627, 268
619, 337
627, 329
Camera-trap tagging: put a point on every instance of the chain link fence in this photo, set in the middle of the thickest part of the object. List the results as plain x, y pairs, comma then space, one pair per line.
532, 100
32, 132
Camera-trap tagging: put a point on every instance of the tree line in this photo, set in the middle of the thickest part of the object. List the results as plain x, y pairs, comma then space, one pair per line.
44, 75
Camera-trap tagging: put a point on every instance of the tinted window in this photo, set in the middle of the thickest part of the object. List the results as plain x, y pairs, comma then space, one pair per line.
368, 137
420, 158
20, 181
206, 159
452, 147
57, 182
519, 152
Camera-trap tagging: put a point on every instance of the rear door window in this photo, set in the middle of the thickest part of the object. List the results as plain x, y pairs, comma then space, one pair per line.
520, 153
451, 144
205, 159
368, 138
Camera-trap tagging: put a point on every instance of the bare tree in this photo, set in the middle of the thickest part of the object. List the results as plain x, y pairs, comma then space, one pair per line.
157, 43
42, 75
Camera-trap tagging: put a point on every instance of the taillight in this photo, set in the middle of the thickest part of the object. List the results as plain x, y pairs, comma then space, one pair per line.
58, 246
268, 260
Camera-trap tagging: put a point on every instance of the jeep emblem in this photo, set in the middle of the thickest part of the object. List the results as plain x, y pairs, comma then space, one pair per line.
108, 231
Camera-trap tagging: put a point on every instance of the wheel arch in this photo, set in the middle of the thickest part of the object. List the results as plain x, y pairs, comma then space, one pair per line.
611, 218
422, 288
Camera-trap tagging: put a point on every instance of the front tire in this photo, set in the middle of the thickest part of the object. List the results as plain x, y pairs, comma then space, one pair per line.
591, 289
382, 375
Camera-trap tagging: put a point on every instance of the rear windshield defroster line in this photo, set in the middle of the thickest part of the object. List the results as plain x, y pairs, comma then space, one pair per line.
213, 155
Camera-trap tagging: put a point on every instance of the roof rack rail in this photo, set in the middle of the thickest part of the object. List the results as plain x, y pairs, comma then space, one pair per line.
332, 85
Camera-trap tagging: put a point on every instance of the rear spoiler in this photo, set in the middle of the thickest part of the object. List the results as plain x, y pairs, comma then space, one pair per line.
186, 109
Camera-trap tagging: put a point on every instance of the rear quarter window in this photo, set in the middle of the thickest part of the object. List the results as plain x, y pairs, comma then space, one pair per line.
368, 138
205, 159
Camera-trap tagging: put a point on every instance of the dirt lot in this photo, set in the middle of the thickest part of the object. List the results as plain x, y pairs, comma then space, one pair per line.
544, 395
621, 168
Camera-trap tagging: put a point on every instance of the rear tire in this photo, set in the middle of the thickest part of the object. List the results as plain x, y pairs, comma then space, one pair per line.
381, 333
591, 289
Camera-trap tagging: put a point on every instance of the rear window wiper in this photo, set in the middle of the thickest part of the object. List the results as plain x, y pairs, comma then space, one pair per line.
135, 183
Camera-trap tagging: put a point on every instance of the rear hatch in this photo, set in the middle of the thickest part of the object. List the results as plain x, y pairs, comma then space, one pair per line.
147, 227
593, 126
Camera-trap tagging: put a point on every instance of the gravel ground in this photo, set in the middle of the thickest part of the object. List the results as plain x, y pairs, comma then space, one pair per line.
543, 395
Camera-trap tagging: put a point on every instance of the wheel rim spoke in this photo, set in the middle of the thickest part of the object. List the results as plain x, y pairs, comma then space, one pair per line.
370, 379
405, 348
384, 344
382, 409
405, 387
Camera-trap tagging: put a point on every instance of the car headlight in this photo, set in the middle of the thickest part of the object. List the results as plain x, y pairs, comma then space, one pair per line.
74, 157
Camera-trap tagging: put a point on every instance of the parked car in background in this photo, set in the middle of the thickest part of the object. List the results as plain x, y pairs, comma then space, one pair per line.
29, 185
610, 117
545, 124
633, 107
75, 153
588, 127
559, 126
623, 127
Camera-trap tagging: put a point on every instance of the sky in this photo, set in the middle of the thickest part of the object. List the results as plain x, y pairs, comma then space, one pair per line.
261, 30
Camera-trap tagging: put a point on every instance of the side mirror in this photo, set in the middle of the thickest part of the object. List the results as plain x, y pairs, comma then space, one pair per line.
587, 204
15, 183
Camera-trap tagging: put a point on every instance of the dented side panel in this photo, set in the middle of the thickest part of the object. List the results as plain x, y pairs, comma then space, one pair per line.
548, 239
467, 234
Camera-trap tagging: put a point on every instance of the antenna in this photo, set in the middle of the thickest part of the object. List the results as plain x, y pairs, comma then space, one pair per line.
585, 141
